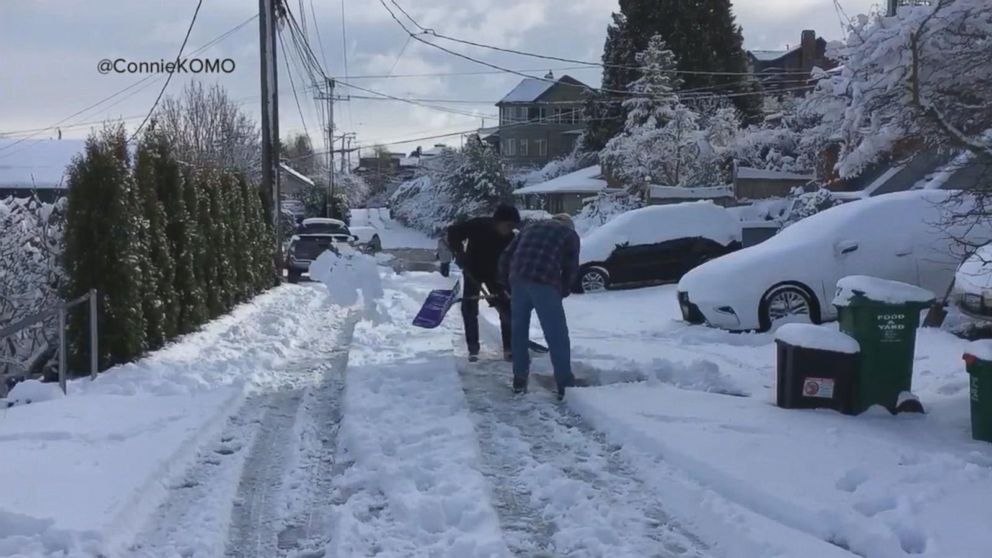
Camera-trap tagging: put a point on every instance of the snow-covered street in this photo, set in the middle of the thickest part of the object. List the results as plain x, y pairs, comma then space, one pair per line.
296, 427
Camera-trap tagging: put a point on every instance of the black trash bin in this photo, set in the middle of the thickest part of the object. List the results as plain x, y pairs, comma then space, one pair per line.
817, 368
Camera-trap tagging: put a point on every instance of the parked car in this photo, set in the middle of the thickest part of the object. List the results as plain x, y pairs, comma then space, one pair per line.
367, 238
312, 238
792, 276
972, 292
655, 244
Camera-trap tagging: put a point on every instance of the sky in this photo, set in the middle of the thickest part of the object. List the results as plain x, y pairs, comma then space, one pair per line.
50, 51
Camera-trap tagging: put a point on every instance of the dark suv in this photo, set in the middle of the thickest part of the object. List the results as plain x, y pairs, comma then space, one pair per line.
312, 238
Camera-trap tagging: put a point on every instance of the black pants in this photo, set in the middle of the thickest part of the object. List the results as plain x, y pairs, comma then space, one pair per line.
470, 314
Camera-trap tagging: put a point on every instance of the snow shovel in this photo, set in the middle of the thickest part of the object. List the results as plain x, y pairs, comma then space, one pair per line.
938, 312
438, 302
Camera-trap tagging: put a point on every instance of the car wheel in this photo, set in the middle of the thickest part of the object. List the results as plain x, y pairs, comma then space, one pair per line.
594, 280
376, 244
293, 276
788, 301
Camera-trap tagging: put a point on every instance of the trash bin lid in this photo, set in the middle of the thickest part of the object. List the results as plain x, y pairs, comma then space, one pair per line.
809, 336
981, 349
880, 290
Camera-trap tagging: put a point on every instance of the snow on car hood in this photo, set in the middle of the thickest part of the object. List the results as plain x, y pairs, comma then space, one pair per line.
651, 225
975, 273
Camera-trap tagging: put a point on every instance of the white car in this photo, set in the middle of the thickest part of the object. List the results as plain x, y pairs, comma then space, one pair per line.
973, 285
793, 276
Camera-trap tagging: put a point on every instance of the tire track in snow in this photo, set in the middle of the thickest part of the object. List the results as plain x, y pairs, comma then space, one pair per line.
279, 510
559, 487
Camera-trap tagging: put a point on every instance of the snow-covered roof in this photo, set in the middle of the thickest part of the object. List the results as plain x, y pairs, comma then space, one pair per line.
769, 55
38, 164
323, 221
528, 90
295, 174
583, 181
749, 173
690, 193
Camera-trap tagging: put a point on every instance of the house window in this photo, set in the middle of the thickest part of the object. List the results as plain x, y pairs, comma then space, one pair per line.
541, 145
510, 147
534, 114
558, 115
523, 148
521, 114
504, 115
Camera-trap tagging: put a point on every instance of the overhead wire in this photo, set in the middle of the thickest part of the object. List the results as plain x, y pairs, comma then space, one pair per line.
168, 78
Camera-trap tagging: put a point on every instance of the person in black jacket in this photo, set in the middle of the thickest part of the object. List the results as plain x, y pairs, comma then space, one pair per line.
476, 246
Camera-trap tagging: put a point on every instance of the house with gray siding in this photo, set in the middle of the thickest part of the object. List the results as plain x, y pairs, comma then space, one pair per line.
540, 120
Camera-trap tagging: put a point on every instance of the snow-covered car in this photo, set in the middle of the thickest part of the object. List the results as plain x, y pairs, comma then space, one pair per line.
972, 292
655, 244
313, 237
906, 236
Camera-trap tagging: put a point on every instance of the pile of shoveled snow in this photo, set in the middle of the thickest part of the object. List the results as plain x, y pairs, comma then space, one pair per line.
347, 273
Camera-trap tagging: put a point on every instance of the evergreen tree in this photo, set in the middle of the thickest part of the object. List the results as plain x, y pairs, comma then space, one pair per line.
188, 248
155, 175
103, 231
703, 35
234, 239
603, 110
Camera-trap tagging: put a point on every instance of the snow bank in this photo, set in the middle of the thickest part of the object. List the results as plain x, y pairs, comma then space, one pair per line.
33, 391
817, 337
584, 181
880, 290
407, 428
650, 225
91, 467
879, 486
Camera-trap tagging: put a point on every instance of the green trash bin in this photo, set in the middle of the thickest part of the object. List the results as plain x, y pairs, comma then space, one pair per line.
883, 317
978, 362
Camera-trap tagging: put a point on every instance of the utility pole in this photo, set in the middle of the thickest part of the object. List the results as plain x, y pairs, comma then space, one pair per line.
270, 114
893, 7
330, 98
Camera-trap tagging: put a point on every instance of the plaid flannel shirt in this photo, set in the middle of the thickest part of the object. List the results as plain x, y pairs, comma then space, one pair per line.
544, 252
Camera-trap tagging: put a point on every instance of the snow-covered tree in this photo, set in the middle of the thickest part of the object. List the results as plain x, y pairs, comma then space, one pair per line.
806, 204
662, 142
919, 79
480, 183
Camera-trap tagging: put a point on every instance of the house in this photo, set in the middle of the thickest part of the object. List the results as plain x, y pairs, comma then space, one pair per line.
790, 70
540, 120
564, 194
757, 184
664, 195
36, 167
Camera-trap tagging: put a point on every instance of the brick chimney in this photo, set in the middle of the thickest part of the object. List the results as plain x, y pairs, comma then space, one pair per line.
808, 50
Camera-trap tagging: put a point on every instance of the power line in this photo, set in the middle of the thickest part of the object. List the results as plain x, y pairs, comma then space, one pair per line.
475, 73
168, 78
144, 80
292, 84
435, 33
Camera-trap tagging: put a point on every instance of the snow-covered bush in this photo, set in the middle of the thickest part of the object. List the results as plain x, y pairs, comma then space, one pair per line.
579, 158
31, 274
605, 206
805, 204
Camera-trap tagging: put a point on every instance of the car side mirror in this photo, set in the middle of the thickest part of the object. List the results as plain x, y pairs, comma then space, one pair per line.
354, 238
846, 247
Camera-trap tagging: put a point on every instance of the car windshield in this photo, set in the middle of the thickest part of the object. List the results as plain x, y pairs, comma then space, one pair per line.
322, 228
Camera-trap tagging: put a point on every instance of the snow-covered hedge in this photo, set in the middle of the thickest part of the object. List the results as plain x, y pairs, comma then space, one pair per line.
599, 210
31, 274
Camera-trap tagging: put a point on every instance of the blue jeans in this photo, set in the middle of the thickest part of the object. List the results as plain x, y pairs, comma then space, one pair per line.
546, 300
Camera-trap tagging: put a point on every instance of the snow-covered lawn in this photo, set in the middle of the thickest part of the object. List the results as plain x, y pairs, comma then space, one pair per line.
879, 485
392, 233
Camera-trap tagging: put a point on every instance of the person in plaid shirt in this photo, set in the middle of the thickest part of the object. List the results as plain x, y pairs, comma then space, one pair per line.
539, 268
